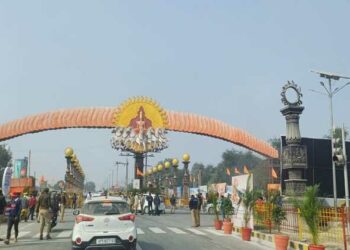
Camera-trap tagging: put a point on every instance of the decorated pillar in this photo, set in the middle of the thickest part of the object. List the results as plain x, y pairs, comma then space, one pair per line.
175, 163
140, 127
294, 155
185, 183
139, 164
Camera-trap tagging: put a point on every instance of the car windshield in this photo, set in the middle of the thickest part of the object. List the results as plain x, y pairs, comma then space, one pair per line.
105, 208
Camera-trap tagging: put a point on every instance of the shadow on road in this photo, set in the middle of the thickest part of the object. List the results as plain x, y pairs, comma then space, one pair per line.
147, 245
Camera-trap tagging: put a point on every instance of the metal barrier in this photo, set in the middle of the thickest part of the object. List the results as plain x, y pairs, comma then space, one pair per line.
333, 226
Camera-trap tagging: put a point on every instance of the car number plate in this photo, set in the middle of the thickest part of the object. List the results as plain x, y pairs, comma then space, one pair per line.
105, 241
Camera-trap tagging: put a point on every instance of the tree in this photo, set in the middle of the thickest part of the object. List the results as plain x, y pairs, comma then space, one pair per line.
90, 186
5, 156
337, 133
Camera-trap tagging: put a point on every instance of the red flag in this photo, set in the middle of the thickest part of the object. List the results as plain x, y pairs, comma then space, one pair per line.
237, 171
228, 172
273, 173
245, 170
138, 172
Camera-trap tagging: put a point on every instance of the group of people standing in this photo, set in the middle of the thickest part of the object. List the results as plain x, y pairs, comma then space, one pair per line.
137, 203
46, 209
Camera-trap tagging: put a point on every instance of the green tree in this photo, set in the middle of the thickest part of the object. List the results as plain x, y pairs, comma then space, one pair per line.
90, 186
5, 156
337, 133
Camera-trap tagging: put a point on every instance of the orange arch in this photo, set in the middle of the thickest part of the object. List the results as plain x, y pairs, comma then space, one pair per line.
103, 118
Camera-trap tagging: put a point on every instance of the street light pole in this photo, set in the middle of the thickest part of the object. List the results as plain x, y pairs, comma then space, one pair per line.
330, 92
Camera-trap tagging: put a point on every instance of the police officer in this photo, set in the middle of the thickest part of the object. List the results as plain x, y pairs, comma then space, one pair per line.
42, 208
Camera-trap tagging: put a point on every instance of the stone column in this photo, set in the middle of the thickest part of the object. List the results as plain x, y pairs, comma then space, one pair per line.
294, 159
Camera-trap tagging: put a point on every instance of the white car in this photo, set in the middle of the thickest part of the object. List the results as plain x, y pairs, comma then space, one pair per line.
104, 223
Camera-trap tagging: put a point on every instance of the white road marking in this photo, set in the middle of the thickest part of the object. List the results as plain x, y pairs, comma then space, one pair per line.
157, 230
139, 231
176, 230
21, 234
213, 231
64, 234
195, 231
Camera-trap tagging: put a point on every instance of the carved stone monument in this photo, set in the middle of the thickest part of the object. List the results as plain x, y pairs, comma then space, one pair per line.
294, 155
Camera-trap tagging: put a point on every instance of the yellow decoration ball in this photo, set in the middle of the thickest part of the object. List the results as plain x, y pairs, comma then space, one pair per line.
175, 162
167, 165
186, 157
149, 171
68, 152
160, 167
154, 169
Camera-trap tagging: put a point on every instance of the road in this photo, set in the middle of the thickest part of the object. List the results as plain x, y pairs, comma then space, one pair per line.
168, 232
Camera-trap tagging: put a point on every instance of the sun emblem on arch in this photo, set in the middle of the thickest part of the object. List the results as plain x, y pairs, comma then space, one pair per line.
140, 126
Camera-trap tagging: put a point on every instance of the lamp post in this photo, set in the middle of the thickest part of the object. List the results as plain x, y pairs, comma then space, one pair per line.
330, 92
186, 161
126, 164
175, 163
68, 152
167, 166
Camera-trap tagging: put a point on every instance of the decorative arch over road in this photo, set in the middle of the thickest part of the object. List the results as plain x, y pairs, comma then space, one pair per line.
106, 118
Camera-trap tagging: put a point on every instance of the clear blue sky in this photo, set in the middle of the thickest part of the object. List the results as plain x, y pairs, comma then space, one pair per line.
223, 59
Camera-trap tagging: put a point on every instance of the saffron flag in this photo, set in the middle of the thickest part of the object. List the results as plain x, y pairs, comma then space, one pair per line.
273, 173
138, 172
245, 169
228, 172
237, 171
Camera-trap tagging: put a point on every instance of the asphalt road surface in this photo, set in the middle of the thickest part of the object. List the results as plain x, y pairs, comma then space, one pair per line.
168, 232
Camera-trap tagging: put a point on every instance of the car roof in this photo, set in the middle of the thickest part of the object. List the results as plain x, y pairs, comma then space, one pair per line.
105, 199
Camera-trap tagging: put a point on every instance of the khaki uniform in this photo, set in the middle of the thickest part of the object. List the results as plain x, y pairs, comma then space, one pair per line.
42, 209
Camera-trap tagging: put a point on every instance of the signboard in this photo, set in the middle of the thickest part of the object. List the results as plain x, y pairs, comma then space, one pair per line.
20, 168
136, 184
240, 183
6, 181
22, 182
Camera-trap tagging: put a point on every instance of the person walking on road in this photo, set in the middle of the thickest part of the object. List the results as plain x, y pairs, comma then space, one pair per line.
31, 205
150, 202
142, 203
55, 207
200, 203
43, 209
25, 208
13, 217
193, 205
173, 204
2, 207
63, 204
136, 203
75, 200
156, 202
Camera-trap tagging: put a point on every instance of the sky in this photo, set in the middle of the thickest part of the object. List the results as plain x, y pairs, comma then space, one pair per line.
223, 59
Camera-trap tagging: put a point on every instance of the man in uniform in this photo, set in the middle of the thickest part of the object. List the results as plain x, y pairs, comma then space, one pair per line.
42, 208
